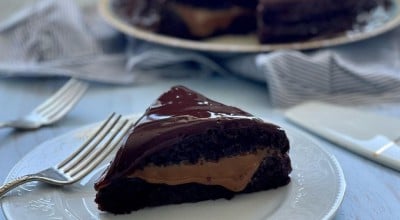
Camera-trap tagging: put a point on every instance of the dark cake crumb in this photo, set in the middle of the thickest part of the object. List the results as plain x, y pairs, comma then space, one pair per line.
216, 144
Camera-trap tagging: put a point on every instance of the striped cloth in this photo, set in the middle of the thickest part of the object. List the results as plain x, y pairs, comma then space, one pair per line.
294, 77
54, 38
360, 73
363, 72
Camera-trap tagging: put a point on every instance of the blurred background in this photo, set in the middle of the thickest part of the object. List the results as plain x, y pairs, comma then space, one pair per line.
8, 7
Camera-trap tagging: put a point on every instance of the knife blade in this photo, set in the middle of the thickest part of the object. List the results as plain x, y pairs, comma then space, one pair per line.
374, 136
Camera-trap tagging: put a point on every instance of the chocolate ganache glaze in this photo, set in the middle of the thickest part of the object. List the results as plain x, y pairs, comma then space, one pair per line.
178, 114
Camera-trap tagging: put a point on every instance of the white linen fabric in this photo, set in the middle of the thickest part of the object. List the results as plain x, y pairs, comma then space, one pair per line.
56, 38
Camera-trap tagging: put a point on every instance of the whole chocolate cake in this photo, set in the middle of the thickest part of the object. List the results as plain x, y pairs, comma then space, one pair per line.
273, 20
188, 148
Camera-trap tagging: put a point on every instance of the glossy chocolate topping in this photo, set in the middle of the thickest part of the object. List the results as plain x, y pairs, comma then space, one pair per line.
176, 115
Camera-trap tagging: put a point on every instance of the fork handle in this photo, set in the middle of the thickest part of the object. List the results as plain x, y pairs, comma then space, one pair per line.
14, 183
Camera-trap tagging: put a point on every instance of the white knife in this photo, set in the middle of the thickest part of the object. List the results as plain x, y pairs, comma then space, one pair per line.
374, 136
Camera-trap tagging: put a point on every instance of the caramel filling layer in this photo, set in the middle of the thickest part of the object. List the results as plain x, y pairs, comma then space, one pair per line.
203, 22
233, 173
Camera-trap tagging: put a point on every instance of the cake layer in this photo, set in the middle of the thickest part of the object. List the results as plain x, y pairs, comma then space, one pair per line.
233, 172
294, 20
213, 4
200, 22
189, 19
274, 12
130, 194
205, 4
279, 33
196, 22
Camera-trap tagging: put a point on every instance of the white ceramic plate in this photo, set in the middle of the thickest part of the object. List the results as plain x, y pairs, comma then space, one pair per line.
380, 22
315, 192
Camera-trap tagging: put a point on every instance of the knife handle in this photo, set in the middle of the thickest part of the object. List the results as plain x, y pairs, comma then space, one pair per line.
373, 136
379, 148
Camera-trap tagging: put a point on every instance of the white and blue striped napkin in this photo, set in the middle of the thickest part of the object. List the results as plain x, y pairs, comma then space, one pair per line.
357, 73
54, 38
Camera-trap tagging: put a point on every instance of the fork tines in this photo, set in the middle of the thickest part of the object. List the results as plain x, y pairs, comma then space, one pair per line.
64, 99
96, 148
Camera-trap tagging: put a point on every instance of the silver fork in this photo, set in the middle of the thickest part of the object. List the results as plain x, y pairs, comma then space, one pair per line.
83, 160
53, 109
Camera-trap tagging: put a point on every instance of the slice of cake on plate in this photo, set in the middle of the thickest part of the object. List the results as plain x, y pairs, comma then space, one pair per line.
188, 148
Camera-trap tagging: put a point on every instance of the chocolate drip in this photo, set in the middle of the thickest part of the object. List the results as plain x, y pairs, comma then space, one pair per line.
176, 115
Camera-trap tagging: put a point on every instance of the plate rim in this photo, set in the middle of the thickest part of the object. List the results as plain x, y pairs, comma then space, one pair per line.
291, 130
342, 184
110, 17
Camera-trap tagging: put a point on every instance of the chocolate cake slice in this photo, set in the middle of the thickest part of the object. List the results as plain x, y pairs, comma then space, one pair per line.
188, 148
